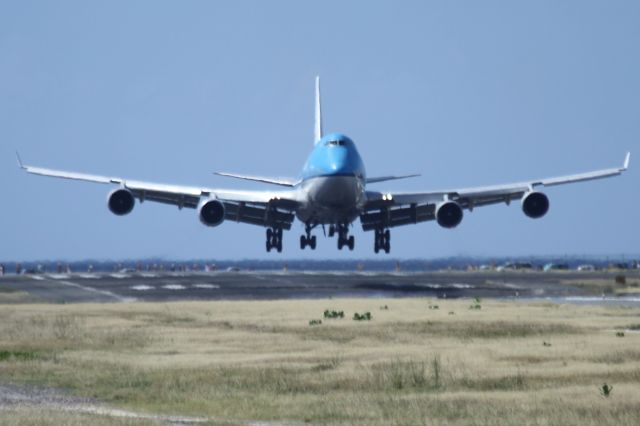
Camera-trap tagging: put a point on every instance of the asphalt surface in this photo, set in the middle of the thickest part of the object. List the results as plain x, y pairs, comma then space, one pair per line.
124, 287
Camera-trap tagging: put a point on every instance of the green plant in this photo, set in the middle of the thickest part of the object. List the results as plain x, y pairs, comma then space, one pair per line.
620, 334
546, 344
605, 390
476, 304
434, 307
362, 317
315, 322
333, 314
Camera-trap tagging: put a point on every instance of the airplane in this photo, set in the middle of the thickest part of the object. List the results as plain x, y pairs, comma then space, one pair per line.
331, 192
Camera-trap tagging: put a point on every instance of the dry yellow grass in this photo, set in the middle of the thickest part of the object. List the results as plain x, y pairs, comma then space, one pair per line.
506, 363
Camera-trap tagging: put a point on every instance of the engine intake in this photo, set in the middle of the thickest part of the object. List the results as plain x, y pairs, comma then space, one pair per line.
535, 204
449, 214
211, 213
120, 201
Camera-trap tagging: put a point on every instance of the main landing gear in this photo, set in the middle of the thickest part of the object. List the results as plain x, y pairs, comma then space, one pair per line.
308, 239
274, 239
344, 239
382, 240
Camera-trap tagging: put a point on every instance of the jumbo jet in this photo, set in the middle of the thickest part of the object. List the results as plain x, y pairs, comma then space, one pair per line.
330, 193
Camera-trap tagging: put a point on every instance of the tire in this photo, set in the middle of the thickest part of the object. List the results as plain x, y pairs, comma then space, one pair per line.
351, 242
303, 242
312, 243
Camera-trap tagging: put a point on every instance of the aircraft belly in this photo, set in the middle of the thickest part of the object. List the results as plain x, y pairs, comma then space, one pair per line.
332, 199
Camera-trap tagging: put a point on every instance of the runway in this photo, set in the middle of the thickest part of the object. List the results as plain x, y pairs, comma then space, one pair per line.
143, 286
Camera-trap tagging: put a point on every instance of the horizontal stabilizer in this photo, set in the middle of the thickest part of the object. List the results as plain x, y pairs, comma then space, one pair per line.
273, 181
386, 178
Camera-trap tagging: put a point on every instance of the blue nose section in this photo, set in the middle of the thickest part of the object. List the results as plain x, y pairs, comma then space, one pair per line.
334, 155
338, 161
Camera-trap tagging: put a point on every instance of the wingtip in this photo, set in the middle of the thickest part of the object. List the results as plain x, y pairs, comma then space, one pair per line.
20, 164
626, 161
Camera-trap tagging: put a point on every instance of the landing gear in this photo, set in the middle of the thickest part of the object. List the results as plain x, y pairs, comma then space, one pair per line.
382, 240
274, 239
308, 239
344, 239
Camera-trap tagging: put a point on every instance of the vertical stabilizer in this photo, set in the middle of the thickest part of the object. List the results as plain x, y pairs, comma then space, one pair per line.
318, 125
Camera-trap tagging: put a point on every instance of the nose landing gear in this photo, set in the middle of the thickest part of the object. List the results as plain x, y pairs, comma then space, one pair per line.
274, 239
382, 240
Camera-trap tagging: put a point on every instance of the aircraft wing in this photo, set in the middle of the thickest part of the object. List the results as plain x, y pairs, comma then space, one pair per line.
270, 180
387, 178
394, 209
264, 208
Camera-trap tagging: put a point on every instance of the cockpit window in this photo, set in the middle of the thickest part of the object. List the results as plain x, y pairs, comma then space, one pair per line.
335, 143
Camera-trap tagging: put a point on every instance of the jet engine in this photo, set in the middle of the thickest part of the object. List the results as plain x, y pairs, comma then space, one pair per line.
535, 204
211, 212
449, 214
120, 201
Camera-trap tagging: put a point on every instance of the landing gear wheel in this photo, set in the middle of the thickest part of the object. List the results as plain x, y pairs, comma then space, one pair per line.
343, 237
274, 239
308, 239
382, 240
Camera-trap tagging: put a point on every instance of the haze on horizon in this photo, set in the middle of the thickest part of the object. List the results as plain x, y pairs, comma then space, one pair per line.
466, 94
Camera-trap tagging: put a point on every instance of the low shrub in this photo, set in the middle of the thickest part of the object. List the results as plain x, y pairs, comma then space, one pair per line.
333, 314
362, 317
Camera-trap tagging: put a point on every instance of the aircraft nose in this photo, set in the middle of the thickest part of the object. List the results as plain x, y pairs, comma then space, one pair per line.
339, 160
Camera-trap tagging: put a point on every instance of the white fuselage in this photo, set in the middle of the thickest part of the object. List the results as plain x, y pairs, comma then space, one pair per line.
331, 199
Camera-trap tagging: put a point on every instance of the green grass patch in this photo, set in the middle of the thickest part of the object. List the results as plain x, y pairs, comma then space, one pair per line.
6, 355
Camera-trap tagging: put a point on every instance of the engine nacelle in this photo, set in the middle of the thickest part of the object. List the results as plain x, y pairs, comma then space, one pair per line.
449, 214
535, 204
211, 212
121, 201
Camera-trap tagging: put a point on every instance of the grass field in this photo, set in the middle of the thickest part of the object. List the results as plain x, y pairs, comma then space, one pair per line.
417, 361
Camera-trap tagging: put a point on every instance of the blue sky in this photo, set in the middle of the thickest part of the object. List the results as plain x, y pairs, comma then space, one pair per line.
466, 93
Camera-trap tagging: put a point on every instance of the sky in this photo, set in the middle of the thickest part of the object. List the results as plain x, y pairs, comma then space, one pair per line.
466, 93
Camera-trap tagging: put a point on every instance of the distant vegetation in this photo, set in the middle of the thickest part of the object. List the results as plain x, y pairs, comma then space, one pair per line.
416, 265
